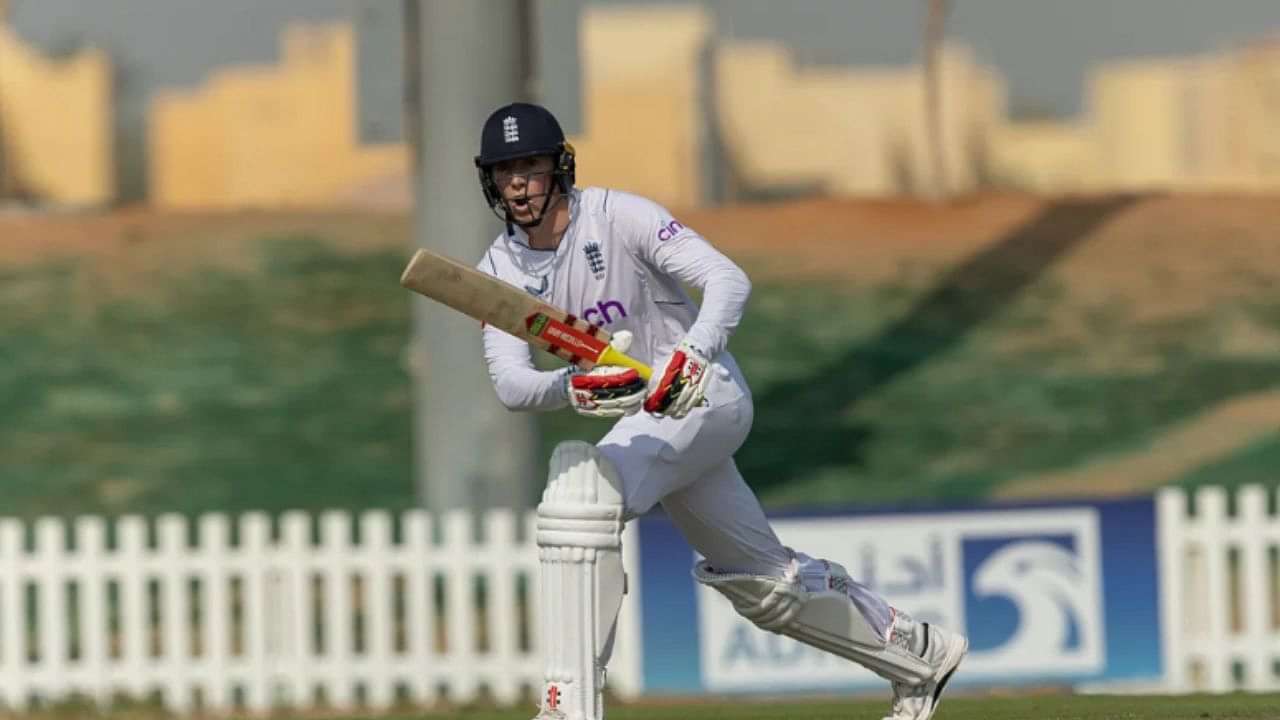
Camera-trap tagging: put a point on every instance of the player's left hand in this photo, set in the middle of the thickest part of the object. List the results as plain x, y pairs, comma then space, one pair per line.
608, 391
681, 384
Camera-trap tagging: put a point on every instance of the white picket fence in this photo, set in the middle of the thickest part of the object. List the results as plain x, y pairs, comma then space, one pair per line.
1220, 590
232, 614
249, 614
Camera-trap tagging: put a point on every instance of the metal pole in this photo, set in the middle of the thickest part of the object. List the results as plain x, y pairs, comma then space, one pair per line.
5, 170
934, 32
469, 450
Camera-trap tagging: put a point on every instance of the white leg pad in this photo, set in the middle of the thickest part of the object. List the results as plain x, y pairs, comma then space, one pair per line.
579, 539
824, 617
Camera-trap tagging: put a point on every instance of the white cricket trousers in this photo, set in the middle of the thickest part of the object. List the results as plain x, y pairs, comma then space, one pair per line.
687, 465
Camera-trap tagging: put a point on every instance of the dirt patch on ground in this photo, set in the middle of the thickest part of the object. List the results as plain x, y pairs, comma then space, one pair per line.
123, 248
1158, 257
123, 233
863, 239
1212, 435
1184, 236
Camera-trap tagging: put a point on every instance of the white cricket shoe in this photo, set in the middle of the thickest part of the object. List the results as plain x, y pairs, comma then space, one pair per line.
943, 651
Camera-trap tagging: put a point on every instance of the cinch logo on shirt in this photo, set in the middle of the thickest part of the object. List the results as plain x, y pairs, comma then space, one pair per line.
668, 231
604, 312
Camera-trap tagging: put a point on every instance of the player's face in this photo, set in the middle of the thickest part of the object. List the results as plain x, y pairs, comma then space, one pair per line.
525, 184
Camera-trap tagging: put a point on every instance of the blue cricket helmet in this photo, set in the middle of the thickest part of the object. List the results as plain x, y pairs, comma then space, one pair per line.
521, 130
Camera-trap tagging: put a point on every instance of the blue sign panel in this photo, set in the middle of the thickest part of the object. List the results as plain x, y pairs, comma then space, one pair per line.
1055, 594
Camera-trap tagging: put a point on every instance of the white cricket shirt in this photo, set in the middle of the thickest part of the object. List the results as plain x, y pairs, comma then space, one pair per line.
619, 265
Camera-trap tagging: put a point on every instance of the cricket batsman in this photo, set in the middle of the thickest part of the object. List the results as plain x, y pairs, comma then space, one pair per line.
618, 260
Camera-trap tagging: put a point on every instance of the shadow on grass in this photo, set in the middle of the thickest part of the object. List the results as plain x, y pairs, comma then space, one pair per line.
801, 425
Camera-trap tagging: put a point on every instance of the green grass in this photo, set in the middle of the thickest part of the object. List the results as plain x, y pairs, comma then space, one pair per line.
209, 390
283, 386
906, 407
1233, 707
1036, 707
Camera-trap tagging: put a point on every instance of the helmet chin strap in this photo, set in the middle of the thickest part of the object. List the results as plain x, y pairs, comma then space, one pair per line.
537, 220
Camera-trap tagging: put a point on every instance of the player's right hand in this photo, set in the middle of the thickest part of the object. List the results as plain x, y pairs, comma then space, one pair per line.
681, 385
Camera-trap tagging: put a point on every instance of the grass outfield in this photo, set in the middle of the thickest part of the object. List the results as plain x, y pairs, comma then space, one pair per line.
1196, 707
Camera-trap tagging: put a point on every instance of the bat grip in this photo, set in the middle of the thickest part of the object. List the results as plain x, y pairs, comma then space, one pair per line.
611, 356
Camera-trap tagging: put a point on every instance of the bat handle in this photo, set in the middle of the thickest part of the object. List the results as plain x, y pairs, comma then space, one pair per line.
611, 356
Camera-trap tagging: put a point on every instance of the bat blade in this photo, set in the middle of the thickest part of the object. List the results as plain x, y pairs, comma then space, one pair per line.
512, 310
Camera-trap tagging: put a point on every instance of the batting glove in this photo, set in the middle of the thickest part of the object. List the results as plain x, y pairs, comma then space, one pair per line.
681, 384
608, 391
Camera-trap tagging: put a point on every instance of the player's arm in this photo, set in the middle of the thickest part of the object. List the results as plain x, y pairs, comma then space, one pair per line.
679, 381
520, 385
725, 287
605, 392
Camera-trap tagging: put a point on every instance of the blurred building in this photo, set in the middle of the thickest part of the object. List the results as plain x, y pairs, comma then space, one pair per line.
280, 134
778, 127
669, 111
1200, 123
55, 125
851, 131
1045, 156
643, 112
247, 137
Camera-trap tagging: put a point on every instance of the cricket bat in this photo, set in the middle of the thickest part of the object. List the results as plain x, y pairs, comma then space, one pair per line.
509, 308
